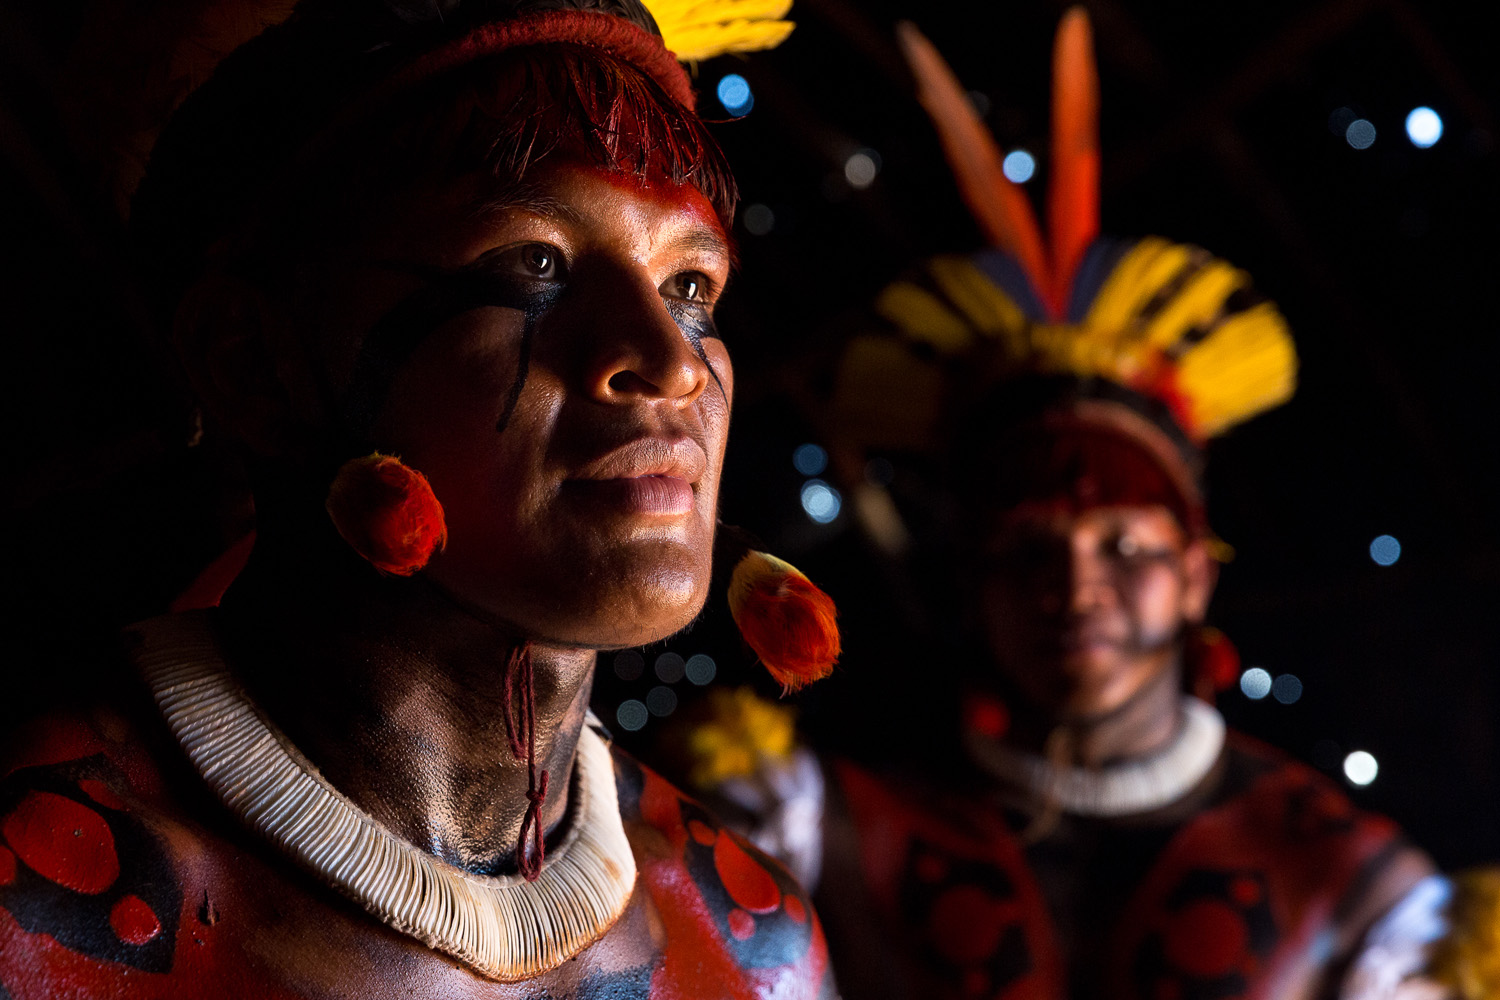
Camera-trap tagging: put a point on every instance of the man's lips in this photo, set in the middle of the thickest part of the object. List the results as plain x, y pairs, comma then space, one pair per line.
650, 475
640, 494
1087, 637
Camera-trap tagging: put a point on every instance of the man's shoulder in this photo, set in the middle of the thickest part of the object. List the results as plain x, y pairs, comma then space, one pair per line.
1283, 797
87, 882
1278, 830
120, 875
728, 909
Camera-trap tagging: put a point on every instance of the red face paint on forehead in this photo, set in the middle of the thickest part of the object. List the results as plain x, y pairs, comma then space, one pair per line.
659, 190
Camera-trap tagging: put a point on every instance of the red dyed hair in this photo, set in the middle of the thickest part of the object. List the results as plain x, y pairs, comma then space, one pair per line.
504, 116
276, 155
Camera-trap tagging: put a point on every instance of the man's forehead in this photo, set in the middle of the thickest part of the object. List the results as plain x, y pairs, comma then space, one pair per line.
553, 190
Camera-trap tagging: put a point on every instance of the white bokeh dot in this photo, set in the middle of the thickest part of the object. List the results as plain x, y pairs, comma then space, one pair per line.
1424, 127
1361, 767
821, 502
1255, 683
861, 168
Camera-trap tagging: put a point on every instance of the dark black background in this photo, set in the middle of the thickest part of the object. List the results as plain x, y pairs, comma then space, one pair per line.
1215, 131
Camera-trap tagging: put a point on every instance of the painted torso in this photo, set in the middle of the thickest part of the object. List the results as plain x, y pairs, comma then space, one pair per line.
121, 875
1233, 893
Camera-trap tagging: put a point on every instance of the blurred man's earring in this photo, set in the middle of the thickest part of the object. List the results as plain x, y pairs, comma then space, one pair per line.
1213, 664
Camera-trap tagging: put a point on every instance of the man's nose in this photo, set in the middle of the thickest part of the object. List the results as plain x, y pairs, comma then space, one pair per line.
1089, 582
639, 352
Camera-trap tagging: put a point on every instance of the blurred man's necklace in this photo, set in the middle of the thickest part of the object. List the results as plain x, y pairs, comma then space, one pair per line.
1134, 786
505, 927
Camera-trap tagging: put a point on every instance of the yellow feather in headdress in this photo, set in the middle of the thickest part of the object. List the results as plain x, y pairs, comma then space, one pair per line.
701, 29
1164, 307
1467, 959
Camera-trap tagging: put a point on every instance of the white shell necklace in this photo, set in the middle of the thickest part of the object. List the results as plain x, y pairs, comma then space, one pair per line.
504, 927
1133, 786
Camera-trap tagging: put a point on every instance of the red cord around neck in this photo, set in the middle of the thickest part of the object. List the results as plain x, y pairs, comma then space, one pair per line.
523, 743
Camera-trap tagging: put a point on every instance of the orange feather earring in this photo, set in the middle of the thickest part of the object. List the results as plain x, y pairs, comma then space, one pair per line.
387, 512
783, 616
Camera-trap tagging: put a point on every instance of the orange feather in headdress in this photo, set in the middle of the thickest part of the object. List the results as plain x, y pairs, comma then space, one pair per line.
1073, 197
999, 206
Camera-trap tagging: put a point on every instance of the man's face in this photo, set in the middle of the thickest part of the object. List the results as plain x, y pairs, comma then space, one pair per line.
1081, 609
567, 395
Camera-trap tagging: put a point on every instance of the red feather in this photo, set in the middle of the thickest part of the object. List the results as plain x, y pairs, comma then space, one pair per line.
387, 513
1000, 207
1073, 195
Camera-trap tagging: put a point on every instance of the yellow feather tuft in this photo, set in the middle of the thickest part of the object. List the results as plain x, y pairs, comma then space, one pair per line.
741, 731
924, 319
1246, 366
1467, 960
989, 310
701, 29
1168, 317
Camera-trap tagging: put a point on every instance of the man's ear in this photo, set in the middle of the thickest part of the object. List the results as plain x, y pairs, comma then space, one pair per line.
1200, 574
245, 365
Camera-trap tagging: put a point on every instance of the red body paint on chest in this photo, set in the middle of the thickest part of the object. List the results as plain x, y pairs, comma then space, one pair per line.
63, 841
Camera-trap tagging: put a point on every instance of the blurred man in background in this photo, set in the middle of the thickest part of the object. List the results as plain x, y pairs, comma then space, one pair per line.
1095, 832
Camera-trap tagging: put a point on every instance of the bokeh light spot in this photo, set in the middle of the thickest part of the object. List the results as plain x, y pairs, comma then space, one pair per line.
1424, 127
1361, 767
758, 219
670, 668
1339, 119
821, 501
629, 665
861, 168
809, 459
1385, 550
734, 93
1360, 134
1255, 683
1019, 166
661, 701
1287, 688
701, 669
631, 715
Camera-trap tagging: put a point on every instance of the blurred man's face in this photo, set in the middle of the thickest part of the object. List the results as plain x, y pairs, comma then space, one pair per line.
1083, 609
567, 395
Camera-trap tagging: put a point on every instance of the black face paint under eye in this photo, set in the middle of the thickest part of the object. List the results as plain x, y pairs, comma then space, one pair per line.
696, 322
452, 293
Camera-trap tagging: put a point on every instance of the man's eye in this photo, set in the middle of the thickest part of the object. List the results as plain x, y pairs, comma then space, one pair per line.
535, 260
1127, 546
690, 286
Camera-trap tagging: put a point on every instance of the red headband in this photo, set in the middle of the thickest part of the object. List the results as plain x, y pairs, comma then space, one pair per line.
607, 32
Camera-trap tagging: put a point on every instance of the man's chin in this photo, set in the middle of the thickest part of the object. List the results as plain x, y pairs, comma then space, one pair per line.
635, 616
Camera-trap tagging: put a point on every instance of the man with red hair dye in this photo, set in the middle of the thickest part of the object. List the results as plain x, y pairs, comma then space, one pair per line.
1090, 830
446, 272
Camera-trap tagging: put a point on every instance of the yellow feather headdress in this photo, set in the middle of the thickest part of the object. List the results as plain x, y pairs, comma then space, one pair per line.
1167, 321
694, 30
